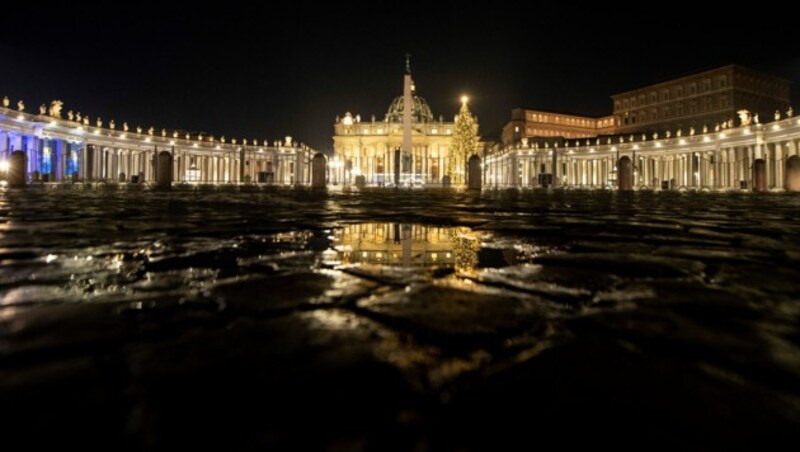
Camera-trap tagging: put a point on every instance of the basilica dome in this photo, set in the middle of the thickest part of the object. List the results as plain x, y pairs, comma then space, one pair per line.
421, 112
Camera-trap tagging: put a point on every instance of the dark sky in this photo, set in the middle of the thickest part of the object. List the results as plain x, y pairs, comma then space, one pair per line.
250, 73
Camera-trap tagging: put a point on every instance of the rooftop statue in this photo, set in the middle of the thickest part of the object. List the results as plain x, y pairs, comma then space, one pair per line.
55, 108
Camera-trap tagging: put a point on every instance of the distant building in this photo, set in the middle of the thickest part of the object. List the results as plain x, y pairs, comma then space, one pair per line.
704, 98
539, 124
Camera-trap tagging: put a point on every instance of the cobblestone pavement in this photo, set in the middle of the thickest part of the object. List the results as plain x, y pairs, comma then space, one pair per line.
257, 319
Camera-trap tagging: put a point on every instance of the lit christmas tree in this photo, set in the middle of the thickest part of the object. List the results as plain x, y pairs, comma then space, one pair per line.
463, 146
465, 249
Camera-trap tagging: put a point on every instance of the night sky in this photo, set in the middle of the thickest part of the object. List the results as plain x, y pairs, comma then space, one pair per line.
245, 74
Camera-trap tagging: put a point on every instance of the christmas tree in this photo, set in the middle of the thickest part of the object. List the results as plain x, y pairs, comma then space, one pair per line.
463, 145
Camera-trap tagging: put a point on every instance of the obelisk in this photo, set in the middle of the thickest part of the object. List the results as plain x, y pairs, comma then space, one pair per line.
408, 105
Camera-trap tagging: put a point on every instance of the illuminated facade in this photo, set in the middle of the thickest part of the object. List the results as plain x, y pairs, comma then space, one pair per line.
75, 148
376, 148
723, 158
537, 124
705, 98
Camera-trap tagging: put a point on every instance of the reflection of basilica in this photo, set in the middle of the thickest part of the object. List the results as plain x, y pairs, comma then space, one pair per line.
407, 245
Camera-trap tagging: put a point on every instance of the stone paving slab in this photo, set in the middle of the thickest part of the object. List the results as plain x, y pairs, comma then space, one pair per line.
237, 319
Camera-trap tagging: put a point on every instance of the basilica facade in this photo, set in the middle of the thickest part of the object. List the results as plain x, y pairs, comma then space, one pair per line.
400, 149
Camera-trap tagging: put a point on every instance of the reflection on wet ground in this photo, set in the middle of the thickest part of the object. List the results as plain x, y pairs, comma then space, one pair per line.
416, 320
407, 245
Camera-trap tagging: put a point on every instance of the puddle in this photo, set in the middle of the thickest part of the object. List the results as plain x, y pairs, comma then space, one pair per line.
406, 245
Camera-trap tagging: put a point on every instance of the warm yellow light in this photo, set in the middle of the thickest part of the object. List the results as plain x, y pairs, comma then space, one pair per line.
464, 99
4, 166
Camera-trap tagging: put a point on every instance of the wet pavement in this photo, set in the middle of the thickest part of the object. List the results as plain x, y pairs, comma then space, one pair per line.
267, 318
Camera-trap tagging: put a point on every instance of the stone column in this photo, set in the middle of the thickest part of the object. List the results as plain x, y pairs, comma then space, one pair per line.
298, 167
514, 170
115, 166
4, 154
164, 174
779, 164
474, 173
241, 164
55, 159
318, 169
17, 167
793, 173
759, 175
625, 174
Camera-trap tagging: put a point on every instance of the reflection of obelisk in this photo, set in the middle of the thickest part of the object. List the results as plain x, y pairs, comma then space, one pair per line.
406, 231
408, 105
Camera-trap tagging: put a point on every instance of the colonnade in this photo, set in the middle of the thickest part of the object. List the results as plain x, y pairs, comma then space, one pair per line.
65, 149
719, 160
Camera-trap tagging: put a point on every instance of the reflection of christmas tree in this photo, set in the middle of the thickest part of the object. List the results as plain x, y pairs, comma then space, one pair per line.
465, 248
463, 145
